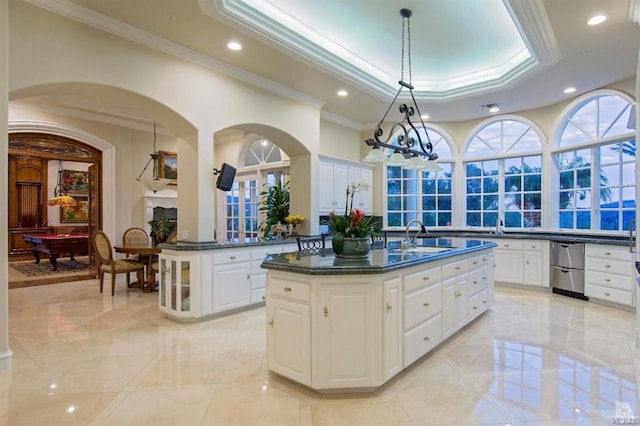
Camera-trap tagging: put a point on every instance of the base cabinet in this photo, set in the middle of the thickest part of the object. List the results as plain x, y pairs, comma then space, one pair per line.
522, 262
610, 274
333, 332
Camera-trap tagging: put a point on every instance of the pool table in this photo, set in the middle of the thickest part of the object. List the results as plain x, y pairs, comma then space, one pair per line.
57, 245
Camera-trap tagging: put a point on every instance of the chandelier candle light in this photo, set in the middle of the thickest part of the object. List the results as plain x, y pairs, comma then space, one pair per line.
410, 142
60, 197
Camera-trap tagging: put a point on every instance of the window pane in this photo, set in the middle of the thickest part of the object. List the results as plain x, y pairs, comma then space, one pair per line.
489, 219
473, 219
474, 202
490, 202
532, 182
512, 183
583, 219
513, 219
394, 219
566, 220
429, 203
474, 186
532, 219
444, 203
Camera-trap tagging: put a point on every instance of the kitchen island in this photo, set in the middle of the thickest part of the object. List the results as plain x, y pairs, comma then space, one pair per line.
351, 325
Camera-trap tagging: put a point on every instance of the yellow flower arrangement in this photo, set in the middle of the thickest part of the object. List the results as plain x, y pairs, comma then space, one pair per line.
294, 219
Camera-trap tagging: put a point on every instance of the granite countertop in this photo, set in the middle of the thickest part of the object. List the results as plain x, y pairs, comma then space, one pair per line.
214, 245
622, 240
380, 260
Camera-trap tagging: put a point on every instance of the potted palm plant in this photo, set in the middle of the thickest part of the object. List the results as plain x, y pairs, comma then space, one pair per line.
275, 203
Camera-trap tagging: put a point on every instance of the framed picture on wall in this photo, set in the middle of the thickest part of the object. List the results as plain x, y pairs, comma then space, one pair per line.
77, 213
168, 167
76, 181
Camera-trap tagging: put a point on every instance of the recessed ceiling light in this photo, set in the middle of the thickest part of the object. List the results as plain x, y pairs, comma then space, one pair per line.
425, 116
343, 93
171, 18
234, 45
493, 108
569, 89
598, 19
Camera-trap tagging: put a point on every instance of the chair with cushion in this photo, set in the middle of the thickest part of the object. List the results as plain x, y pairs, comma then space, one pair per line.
109, 265
135, 237
172, 238
310, 244
379, 240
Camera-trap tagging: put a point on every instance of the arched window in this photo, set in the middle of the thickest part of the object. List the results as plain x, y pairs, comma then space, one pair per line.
418, 194
594, 159
503, 166
263, 165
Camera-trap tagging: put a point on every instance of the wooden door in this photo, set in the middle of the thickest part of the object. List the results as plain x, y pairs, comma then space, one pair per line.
95, 221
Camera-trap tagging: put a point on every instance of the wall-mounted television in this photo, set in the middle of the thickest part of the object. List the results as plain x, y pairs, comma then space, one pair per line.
226, 174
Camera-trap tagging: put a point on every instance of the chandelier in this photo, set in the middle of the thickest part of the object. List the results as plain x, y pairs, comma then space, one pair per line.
154, 183
60, 197
414, 149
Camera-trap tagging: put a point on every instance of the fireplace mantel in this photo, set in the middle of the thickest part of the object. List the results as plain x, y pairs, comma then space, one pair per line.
165, 198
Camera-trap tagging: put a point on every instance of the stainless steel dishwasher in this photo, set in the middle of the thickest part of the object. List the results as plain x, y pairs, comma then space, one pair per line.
567, 269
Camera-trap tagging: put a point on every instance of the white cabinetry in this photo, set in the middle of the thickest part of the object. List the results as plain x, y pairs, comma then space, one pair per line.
609, 273
213, 281
365, 329
345, 336
524, 262
392, 342
335, 176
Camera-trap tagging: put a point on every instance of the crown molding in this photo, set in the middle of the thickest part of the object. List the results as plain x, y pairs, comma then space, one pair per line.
338, 119
529, 16
129, 32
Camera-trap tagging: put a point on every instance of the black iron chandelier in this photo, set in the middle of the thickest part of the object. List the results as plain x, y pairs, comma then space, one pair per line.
414, 149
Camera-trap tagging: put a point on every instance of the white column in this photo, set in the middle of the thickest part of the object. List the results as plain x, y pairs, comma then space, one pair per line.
196, 187
304, 187
5, 351
637, 198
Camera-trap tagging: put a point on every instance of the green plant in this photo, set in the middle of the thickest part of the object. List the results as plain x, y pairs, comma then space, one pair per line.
275, 202
161, 229
353, 225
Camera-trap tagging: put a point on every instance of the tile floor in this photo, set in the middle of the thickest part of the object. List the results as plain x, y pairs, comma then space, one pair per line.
85, 358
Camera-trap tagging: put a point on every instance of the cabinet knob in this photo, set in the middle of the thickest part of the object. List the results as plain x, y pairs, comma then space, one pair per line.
426, 339
506, 245
271, 322
166, 269
264, 297
389, 307
607, 280
607, 266
608, 253
458, 294
457, 268
607, 294
484, 301
326, 311
475, 307
232, 257
425, 278
248, 276
287, 289
425, 304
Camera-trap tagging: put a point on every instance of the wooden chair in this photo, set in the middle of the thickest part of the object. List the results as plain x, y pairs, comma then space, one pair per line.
135, 236
379, 240
104, 254
172, 238
311, 244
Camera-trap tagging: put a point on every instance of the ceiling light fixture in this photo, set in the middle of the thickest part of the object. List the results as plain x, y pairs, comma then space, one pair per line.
411, 143
598, 19
493, 108
234, 45
570, 89
60, 197
154, 183
343, 93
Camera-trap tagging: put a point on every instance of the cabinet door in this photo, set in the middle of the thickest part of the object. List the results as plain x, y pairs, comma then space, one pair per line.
175, 285
533, 268
230, 286
366, 197
455, 309
392, 328
461, 301
340, 183
508, 266
327, 204
347, 323
289, 340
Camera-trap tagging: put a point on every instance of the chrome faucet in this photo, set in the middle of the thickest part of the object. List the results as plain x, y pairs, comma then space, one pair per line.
499, 230
407, 243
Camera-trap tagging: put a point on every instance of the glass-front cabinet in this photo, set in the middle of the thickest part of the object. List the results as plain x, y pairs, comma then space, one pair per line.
176, 277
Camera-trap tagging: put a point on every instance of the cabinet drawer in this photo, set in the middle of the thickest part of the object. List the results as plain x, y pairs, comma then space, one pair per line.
256, 269
620, 282
509, 245
421, 339
258, 295
609, 265
609, 294
231, 257
478, 303
292, 290
477, 261
608, 252
477, 280
260, 254
454, 268
422, 304
418, 280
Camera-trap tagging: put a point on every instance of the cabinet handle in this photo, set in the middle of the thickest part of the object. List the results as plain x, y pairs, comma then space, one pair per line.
458, 294
166, 269
264, 297
389, 307
425, 278
271, 322
608, 253
287, 289
527, 262
326, 311
484, 301
506, 245
457, 268
607, 294
426, 339
232, 257
607, 266
475, 263
425, 304
607, 280
248, 276
475, 307
475, 282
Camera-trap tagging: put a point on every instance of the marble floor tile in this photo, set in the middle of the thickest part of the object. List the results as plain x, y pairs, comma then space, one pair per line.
81, 357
